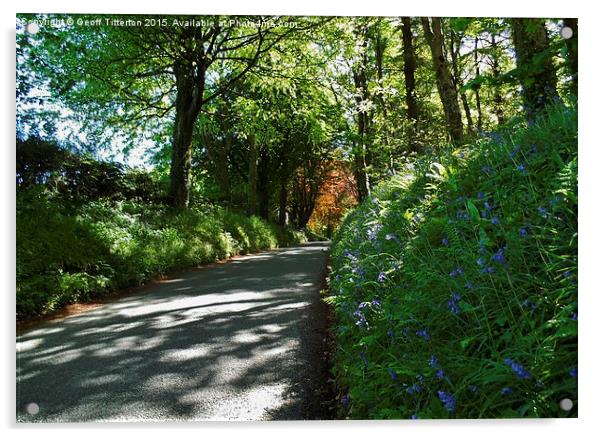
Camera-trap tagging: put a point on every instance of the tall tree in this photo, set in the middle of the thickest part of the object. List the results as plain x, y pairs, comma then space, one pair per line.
409, 70
571, 45
535, 68
445, 84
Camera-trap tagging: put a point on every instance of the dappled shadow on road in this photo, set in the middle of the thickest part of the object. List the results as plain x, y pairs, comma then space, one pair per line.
220, 343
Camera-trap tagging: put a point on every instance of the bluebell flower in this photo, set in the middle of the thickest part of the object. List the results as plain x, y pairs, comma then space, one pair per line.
456, 272
483, 214
567, 274
452, 303
413, 389
440, 374
487, 270
514, 152
520, 371
382, 276
521, 168
488, 206
376, 302
363, 305
573, 372
345, 400
527, 304
424, 334
523, 231
390, 333
461, 215
480, 195
469, 285
393, 374
495, 221
499, 257
420, 378
574, 316
414, 417
445, 242
433, 362
390, 237
543, 212
481, 262
448, 400
506, 391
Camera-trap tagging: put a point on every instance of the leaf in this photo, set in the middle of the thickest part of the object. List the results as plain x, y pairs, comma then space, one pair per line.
473, 211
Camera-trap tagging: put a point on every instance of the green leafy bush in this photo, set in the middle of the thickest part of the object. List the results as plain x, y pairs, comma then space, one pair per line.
455, 284
69, 253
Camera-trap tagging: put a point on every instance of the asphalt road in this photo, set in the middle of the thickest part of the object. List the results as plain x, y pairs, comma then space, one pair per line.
233, 341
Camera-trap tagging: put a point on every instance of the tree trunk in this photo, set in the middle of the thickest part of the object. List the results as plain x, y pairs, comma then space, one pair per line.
571, 46
457, 78
445, 84
409, 68
263, 186
498, 101
252, 183
190, 86
218, 154
478, 87
534, 61
187, 110
362, 152
283, 195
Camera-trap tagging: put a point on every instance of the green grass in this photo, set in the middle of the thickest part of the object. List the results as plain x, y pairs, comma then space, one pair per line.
68, 253
455, 283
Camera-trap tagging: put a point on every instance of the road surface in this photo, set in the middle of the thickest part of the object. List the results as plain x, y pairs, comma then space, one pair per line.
232, 341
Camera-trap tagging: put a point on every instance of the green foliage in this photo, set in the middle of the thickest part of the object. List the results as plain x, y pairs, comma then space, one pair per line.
68, 253
455, 284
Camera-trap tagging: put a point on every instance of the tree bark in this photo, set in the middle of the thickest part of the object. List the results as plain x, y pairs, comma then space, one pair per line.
478, 87
454, 48
189, 90
252, 183
534, 61
362, 152
445, 84
498, 101
409, 69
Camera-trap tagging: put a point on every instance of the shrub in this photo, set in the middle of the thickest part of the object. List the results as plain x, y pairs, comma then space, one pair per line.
455, 284
68, 253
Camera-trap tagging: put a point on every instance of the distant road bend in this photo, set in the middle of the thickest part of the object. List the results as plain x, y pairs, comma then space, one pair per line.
232, 341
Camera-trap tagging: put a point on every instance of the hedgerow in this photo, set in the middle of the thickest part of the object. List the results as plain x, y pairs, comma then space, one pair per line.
455, 283
70, 252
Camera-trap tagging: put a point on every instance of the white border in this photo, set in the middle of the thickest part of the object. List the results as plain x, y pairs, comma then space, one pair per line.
589, 223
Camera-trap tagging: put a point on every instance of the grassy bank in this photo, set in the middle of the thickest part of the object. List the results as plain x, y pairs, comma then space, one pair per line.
455, 283
68, 253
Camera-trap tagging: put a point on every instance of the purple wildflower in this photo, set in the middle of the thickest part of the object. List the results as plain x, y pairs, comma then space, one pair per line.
499, 257
495, 220
445, 242
382, 276
574, 316
345, 400
518, 369
521, 168
506, 391
456, 272
573, 372
414, 417
393, 374
543, 212
448, 400
424, 334
376, 302
523, 231
480, 195
433, 362
440, 374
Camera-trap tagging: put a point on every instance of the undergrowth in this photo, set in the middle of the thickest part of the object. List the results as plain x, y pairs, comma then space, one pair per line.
70, 253
455, 283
